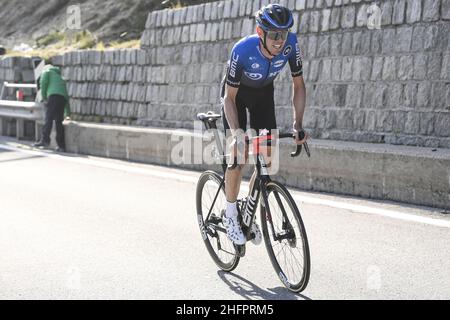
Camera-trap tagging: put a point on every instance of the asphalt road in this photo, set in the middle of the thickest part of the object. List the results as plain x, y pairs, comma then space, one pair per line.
77, 227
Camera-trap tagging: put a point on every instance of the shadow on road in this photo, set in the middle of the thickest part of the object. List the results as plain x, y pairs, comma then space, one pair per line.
20, 158
250, 291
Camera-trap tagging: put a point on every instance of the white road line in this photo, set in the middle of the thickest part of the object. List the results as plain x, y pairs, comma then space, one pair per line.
190, 179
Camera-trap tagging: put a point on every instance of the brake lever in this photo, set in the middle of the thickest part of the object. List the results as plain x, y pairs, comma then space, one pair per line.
307, 149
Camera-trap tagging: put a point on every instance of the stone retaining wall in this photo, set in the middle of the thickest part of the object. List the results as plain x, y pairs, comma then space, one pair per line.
371, 85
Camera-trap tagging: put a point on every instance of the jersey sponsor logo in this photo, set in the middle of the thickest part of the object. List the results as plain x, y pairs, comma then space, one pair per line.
278, 63
255, 66
274, 74
254, 76
233, 83
298, 56
233, 64
287, 50
249, 208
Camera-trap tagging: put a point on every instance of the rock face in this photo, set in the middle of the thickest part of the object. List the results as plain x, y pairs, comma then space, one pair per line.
26, 20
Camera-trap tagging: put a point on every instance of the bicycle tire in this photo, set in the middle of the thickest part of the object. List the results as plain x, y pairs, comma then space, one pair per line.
207, 229
283, 273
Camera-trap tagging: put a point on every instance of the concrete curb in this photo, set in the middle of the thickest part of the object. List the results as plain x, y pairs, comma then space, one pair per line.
413, 175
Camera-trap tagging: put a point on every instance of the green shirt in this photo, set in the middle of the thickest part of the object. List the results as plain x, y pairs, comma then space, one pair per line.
51, 82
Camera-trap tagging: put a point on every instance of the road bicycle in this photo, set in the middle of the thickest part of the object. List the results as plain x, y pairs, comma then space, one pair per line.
282, 226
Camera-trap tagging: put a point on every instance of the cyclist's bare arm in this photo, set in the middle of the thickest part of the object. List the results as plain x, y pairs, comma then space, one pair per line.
299, 102
230, 108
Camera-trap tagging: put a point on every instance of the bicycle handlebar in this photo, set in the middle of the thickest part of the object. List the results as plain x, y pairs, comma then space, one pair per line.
298, 150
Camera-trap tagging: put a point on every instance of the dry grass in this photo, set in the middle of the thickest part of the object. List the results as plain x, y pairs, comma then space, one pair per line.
58, 43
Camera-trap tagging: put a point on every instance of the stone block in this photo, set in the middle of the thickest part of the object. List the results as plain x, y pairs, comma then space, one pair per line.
442, 125
348, 17
325, 22
386, 12
347, 48
439, 90
314, 21
376, 43
445, 9
412, 123
336, 40
323, 46
347, 72
403, 39
325, 74
389, 68
418, 38
335, 18
431, 10
409, 95
303, 22
434, 65
445, 72
423, 94
366, 68
394, 94
314, 70
389, 41
312, 47
413, 11
354, 96
336, 69
431, 38
235, 5
426, 123
300, 5
405, 68
361, 16
339, 94
399, 10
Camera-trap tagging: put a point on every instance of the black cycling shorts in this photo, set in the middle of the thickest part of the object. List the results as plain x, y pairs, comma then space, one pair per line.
260, 105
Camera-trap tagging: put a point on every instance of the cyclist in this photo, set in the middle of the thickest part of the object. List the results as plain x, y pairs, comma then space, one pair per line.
255, 62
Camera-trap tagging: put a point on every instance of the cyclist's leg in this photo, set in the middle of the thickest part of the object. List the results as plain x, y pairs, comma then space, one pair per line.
233, 177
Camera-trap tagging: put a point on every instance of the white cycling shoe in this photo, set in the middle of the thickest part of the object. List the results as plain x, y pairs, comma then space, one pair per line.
234, 230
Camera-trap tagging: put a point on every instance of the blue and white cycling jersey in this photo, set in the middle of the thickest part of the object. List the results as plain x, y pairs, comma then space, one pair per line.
248, 66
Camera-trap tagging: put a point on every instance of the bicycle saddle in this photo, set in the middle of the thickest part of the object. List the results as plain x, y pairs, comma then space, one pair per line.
208, 116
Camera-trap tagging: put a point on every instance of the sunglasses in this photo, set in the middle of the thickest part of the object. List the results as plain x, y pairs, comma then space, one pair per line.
277, 35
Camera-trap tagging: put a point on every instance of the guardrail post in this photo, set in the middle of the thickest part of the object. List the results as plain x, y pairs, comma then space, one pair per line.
20, 128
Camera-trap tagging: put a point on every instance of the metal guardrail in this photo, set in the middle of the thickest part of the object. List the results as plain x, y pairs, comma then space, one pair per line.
20, 110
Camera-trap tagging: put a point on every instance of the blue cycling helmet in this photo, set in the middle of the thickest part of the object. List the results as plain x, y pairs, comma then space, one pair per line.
274, 16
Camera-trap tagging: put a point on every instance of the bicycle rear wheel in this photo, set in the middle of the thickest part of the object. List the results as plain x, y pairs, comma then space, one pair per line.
285, 237
211, 200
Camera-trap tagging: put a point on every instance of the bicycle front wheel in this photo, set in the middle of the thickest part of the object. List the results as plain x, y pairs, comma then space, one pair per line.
285, 237
211, 200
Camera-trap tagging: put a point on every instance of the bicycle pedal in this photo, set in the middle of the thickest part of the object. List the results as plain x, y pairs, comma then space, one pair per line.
240, 249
